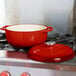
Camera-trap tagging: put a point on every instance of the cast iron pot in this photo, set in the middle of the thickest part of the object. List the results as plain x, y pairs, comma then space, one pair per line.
26, 35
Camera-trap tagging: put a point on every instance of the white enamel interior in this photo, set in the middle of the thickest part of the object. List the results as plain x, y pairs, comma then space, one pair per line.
26, 28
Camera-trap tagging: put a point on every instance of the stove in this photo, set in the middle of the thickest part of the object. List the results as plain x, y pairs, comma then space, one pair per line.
62, 39
14, 61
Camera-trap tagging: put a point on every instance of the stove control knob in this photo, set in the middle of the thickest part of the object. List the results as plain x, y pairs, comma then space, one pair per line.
5, 73
25, 74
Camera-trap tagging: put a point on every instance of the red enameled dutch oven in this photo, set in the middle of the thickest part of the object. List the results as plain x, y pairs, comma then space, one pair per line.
26, 35
51, 53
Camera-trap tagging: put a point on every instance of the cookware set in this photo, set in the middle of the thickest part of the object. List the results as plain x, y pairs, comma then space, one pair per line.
34, 36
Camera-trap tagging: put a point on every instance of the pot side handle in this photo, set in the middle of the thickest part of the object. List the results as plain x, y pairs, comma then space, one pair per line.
48, 29
4, 27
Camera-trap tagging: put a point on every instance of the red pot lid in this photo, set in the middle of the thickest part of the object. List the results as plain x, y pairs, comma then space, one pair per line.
51, 53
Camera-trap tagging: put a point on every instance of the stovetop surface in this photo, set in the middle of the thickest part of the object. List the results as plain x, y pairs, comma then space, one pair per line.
20, 59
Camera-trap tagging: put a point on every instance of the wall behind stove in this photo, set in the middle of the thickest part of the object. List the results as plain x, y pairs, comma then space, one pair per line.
57, 13
2, 13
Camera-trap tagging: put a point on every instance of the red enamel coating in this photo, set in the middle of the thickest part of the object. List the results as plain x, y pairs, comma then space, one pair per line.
26, 39
51, 53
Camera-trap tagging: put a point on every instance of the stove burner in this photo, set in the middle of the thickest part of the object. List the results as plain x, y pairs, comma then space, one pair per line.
62, 39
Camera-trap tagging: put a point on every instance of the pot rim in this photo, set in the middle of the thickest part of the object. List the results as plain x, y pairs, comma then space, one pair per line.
44, 28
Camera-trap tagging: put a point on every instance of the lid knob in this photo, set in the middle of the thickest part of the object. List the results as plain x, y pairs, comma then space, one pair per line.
50, 43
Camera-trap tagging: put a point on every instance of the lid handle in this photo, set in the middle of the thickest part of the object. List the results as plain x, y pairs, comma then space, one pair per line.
4, 27
50, 43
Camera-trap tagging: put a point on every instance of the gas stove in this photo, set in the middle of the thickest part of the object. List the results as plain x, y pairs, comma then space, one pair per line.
15, 62
62, 39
